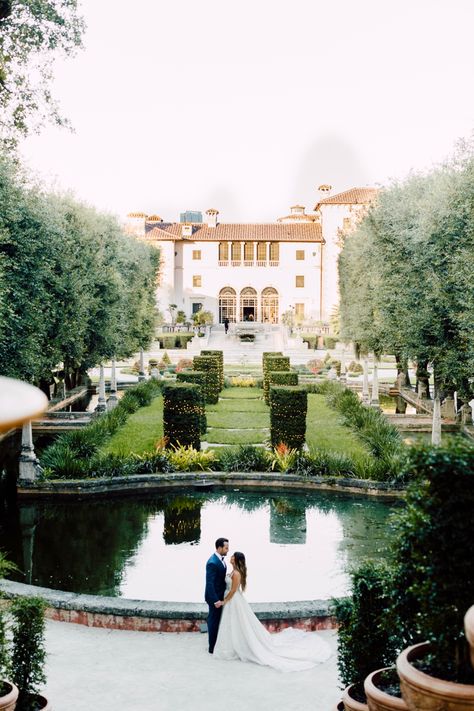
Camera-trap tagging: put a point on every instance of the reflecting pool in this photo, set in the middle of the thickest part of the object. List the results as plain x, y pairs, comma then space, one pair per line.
298, 547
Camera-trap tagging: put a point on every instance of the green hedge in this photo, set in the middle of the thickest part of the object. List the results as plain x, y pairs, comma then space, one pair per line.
220, 357
312, 341
182, 414
329, 342
282, 377
288, 408
174, 340
210, 366
198, 378
273, 362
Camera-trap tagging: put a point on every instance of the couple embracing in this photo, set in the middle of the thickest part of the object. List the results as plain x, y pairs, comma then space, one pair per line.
234, 630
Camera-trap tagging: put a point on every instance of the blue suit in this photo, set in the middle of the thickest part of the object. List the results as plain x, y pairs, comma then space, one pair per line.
215, 589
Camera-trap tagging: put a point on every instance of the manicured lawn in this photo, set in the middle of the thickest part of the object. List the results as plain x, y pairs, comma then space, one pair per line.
241, 394
251, 436
234, 420
140, 432
238, 405
325, 431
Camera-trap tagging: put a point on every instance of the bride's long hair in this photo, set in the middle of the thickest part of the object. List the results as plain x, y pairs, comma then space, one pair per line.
240, 565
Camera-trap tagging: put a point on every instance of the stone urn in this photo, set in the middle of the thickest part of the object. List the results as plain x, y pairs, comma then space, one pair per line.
469, 629
351, 704
422, 692
379, 700
8, 700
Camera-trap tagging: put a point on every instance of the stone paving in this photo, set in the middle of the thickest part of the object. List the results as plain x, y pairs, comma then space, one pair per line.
91, 668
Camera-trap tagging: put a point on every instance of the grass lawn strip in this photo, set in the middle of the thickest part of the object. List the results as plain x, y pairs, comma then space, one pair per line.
252, 405
325, 431
140, 432
237, 420
221, 436
241, 394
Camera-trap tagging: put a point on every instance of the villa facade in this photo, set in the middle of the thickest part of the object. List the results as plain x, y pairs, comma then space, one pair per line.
254, 272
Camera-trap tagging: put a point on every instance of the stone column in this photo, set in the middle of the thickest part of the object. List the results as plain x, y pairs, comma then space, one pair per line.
436, 428
29, 465
466, 414
267, 252
113, 401
365, 381
101, 405
374, 400
141, 374
343, 376
255, 253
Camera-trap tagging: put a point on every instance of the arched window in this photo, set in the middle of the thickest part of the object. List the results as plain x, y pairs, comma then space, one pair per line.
270, 305
248, 304
227, 304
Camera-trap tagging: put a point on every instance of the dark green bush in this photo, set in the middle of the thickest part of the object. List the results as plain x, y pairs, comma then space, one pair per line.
288, 408
210, 366
311, 340
28, 651
272, 362
182, 414
365, 640
329, 342
246, 458
220, 357
276, 377
198, 378
434, 579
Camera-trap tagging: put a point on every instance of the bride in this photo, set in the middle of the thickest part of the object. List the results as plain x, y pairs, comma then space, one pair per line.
242, 636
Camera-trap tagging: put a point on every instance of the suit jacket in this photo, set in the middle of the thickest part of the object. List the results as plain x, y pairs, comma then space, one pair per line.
215, 580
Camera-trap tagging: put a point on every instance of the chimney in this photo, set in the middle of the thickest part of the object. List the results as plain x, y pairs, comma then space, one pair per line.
324, 192
186, 229
297, 209
136, 223
212, 217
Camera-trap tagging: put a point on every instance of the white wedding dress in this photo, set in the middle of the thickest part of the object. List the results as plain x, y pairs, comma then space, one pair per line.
242, 636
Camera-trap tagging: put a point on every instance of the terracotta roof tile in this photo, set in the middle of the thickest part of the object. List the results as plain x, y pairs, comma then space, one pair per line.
354, 196
272, 232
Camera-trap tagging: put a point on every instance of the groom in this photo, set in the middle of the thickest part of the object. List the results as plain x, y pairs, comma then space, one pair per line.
215, 589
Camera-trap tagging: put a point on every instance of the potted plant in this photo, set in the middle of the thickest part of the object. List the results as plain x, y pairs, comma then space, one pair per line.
8, 691
383, 691
28, 653
364, 640
433, 583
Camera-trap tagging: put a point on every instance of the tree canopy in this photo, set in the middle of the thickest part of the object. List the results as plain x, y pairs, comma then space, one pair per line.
74, 289
32, 34
406, 273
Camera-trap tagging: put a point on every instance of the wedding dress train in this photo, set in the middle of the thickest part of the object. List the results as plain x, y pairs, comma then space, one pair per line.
242, 636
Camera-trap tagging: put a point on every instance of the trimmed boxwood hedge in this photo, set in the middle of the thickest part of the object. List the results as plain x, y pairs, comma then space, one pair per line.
265, 356
271, 363
288, 408
182, 414
210, 366
282, 377
198, 378
220, 357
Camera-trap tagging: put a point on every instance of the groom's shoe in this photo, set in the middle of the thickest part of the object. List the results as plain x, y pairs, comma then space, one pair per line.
211, 651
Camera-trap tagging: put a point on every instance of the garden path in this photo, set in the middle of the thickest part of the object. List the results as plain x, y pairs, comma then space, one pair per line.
240, 417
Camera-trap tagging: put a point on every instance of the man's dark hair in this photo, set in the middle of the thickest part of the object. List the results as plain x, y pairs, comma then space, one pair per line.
220, 542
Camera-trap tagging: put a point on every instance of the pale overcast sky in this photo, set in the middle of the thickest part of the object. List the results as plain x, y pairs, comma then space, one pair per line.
249, 107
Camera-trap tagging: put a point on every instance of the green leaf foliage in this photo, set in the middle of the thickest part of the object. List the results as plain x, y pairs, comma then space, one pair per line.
198, 378
28, 653
288, 409
182, 414
210, 366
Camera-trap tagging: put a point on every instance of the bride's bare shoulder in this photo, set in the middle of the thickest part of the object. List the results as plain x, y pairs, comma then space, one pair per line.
235, 574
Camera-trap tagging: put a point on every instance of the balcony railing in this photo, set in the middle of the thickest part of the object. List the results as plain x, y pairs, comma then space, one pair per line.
261, 262
236, 262
274, 263
223, 262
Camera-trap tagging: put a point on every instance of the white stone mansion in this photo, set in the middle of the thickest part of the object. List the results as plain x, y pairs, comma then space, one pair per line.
254, 272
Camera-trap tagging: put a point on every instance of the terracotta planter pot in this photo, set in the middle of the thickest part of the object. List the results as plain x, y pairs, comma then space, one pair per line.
469, 629
422, 692
8, 701
378, 700
351, 704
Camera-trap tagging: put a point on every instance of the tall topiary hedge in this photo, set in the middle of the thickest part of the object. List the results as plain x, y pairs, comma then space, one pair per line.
182, 414
273, 363
198, 378
288, 408
282, 377
220, 357
209, 365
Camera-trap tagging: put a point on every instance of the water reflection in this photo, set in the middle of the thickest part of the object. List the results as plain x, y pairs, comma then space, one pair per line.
297, 546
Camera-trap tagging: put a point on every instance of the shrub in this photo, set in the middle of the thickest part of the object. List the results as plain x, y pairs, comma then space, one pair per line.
355, 367
209, 365
187, 459
329, 342
198, 378
283, 459
220, 357
311, 340
288, 408
336, 364
282, 378
182, 414
152, 363
315, 365
165, 360
59, 461
239, 381
246, 458
28, 651
183, 364
272, 362
365, 641
434, 568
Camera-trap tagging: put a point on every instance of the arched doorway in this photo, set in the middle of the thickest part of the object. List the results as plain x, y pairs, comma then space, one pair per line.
248, 304
227, 304
270, 305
